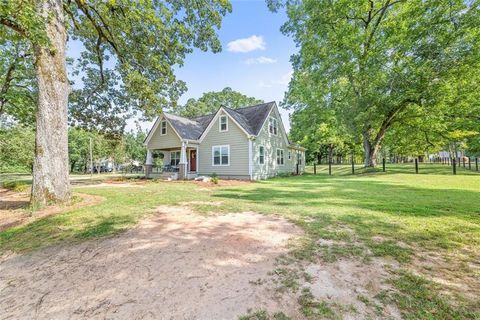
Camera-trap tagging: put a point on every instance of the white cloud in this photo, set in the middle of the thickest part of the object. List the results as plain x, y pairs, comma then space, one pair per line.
283, 81
260, 60
247, 44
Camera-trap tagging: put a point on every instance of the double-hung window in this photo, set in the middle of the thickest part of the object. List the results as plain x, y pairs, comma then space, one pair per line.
273, 126
299, 158
221, 155
174, 158
223, 123
163, 127
280, 157
261, 155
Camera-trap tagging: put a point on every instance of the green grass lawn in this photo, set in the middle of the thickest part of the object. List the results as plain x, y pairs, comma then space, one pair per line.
397, 214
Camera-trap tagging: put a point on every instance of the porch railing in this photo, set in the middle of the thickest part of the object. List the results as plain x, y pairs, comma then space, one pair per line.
165, 168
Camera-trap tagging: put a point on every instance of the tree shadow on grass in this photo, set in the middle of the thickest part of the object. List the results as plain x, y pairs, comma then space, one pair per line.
441, 216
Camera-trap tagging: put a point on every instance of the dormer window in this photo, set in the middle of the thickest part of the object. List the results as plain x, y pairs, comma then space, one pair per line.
273, 126
223, 123
163, 127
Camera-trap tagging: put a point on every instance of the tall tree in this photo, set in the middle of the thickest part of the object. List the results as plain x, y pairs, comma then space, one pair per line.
148, 37
375, 62
209, 102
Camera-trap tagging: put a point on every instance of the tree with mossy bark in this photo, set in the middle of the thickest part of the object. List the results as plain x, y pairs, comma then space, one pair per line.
147, 37
375, 63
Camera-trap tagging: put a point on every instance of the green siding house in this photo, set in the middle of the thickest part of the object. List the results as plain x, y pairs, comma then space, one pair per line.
246, 143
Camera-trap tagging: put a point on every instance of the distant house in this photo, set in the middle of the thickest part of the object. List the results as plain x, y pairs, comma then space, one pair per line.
246, 143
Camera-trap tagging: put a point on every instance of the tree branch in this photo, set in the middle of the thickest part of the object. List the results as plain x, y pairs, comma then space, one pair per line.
13, 25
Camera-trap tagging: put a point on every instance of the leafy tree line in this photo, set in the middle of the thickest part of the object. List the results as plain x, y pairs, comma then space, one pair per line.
209, 102
17, 146
390, 75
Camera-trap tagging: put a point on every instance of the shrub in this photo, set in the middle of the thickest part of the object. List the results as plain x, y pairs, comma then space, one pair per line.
15, 186
214, 178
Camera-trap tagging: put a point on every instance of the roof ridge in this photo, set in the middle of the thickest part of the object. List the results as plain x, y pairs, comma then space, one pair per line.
256, 105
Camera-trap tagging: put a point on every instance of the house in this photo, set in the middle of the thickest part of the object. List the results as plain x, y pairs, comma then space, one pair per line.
246, 143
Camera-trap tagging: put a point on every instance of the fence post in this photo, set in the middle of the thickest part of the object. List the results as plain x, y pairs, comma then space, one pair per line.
416, 165
454, 166
469, 164
383, 164
476, 163
298, 171
353, 165
329, 166
314, 168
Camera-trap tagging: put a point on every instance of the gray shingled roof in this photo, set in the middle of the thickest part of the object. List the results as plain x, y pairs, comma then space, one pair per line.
186, 128
255, 115
250, 118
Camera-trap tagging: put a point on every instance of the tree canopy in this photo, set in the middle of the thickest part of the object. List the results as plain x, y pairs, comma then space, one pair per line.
147, 38
377, 65
209, 102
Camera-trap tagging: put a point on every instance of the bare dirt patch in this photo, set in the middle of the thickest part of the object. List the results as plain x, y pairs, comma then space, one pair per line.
223, 183
353, 286
174, 265
13, 208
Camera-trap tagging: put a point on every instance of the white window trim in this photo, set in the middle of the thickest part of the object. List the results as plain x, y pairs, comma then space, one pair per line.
259, 154
175, 151
283, 157
274, 123
228, 152
161, 127
220, 123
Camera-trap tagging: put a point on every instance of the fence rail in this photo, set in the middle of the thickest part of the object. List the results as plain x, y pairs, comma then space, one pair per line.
456, 165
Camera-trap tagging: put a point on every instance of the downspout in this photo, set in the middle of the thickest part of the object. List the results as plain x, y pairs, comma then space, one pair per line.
250, 158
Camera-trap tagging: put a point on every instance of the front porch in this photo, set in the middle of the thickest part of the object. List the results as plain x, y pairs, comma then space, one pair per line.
172, 163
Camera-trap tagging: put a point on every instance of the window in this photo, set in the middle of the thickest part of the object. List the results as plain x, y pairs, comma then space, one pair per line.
223, 123
289, 155
221, 155
272, 125
280, 157
163, 127
261, 155
299, 158
174, 158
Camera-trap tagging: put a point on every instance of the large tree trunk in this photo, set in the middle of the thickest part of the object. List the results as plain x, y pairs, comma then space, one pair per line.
370, 152
50, 169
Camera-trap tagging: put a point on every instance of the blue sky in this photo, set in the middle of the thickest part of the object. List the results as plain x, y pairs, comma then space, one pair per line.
255, 57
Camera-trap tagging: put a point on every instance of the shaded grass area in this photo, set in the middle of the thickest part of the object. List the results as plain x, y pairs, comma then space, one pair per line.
393, 214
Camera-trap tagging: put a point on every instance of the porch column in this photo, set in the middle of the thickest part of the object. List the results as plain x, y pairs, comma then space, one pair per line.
148, 163
182, 165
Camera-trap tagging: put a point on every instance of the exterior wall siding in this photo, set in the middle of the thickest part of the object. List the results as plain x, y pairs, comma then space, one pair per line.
271, 143
238, 142
170, 140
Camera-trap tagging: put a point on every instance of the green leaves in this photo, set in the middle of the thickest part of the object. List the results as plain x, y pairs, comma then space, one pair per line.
148, 38
375, 64
210, 102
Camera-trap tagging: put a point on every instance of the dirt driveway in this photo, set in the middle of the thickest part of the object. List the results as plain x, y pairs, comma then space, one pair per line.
175, 265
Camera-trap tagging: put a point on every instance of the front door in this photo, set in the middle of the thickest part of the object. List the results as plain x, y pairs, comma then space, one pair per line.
193, 160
